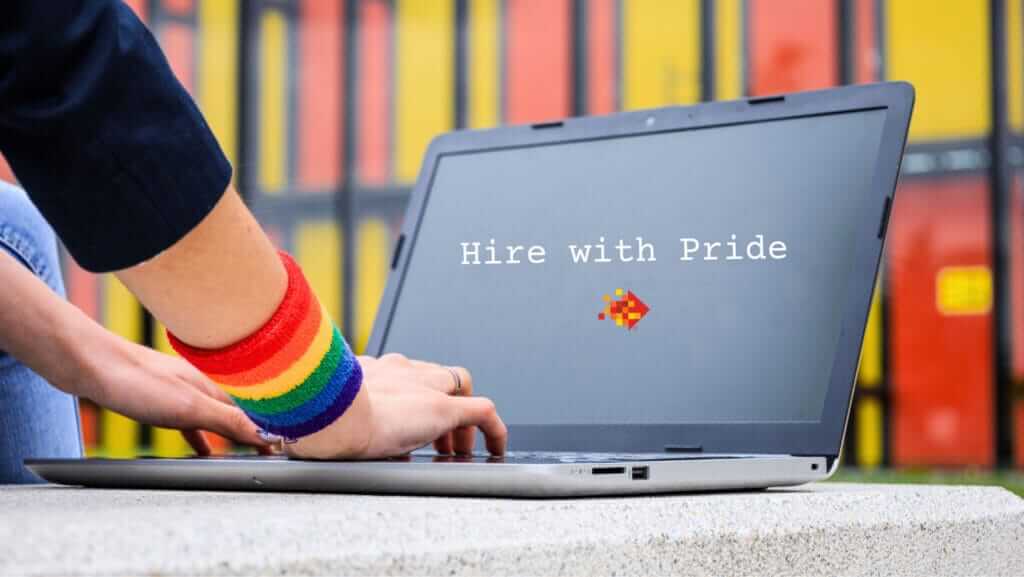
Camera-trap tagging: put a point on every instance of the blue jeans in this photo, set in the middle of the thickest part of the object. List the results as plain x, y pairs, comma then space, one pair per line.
36, 420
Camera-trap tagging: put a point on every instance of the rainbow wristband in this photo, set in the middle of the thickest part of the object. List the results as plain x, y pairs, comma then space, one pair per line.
293, 376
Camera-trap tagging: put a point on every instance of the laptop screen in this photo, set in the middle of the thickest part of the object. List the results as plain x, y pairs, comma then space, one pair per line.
681, 277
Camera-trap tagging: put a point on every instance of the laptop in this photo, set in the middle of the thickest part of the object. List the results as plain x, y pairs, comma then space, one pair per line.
657, 301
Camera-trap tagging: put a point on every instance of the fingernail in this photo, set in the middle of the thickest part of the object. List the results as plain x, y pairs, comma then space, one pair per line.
269, 438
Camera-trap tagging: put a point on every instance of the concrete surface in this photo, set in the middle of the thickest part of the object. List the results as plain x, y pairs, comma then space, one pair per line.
821, 529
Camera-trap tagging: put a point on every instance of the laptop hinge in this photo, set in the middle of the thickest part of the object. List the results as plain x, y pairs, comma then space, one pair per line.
684, 449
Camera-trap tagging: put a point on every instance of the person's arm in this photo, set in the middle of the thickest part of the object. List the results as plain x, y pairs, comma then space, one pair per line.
100, 133
80, 357
117, 157
224, 280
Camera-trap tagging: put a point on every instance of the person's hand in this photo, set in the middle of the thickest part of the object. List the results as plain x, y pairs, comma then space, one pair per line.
78, 356
405, 404
164, 391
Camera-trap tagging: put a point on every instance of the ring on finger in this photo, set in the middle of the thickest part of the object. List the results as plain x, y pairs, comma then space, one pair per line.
458, 380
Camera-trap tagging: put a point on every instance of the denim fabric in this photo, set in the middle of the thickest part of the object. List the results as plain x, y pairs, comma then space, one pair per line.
36, 420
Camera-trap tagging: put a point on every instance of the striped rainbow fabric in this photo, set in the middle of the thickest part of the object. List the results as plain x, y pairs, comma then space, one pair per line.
292, 377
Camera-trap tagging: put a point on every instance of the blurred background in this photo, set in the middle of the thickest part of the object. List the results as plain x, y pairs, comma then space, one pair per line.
326, 106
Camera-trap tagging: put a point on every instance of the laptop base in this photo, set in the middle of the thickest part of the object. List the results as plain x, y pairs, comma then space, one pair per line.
449, 476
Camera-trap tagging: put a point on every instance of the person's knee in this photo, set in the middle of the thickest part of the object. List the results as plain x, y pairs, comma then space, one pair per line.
26, 235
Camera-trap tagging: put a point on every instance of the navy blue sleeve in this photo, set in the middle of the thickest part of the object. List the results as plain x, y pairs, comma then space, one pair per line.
100, 133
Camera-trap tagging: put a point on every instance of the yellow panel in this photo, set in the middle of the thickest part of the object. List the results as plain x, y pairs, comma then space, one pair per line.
483, 63
870, 448
318, 250
963, 290
943, 50
424, 79
122, 315
169, 443
218, 70
160, 341
1015, 61
661, 59
273, 101
119, 435
871, 353
869, 431
373, 244
728, 50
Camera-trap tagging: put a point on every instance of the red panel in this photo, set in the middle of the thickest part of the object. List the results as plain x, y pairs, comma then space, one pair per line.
176, 40
1017, 311
140, 8
1017, 280
374, 86
218, 444
601, 72
88, 414
320, 93
793, 45
5, 170
941, 365
538, 56
179, 7
865, 37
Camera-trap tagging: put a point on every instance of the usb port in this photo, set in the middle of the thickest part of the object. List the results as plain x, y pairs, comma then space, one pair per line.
608, 470
641, 473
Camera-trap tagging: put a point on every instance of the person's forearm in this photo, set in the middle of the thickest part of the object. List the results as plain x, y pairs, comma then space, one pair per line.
220, 284
77, 355
216, 285
43, 330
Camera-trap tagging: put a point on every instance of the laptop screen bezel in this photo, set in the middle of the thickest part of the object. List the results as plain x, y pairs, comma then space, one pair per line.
822, 438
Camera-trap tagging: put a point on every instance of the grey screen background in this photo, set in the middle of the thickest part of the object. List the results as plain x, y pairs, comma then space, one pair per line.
724, 341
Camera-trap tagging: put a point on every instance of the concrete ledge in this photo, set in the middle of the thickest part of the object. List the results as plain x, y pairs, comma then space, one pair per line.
819, 529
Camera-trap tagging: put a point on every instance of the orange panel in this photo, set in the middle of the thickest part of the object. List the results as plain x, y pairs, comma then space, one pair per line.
179, 7
5, 170
601, 57
865, 37
942, 404
321, 49
792, 45
1017, 279
88, 414
538, 56
218, 444
176, 40
374, 86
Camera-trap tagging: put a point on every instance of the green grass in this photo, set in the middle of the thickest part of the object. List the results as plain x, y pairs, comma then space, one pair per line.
1013, 481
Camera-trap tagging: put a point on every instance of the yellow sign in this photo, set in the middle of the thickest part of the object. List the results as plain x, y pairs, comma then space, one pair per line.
963, 290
